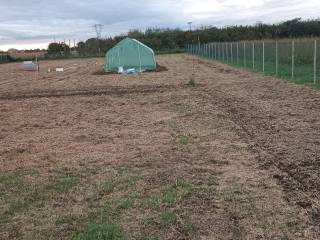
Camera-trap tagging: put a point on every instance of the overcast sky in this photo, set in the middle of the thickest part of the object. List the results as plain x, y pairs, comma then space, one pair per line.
34, 23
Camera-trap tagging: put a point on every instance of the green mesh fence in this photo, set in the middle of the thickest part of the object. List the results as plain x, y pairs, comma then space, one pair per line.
317, 63
3, 58
295, 60
130, 53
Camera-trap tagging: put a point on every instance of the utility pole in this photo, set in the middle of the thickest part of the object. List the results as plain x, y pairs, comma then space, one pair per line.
98, 29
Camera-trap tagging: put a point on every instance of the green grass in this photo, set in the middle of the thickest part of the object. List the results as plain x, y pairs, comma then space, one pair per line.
19, 195
100, 232
184, 141
168, 217
118, 207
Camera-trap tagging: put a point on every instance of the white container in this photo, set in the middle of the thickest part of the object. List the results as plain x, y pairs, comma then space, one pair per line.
120, 69
59, 69
29, 66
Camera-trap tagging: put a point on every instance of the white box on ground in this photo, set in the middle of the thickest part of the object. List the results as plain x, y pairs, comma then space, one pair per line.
59, 69
120, 69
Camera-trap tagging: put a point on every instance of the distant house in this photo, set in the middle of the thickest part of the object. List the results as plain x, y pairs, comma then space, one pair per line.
130, 53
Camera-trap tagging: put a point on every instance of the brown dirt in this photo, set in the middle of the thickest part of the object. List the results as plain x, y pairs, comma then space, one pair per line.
258, 136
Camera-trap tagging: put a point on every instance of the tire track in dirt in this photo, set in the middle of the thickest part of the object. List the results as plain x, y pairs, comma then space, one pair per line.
118, 91
280, 122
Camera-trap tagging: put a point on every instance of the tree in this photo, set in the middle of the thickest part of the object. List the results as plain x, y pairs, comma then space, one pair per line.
58, 49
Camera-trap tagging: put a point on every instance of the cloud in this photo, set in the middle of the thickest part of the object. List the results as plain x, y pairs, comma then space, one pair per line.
40, 21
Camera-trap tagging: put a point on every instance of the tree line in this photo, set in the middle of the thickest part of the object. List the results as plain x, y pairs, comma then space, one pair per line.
166, 40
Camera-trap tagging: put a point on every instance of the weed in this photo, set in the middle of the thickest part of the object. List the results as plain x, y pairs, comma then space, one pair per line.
100, 232
62, 185
184, 141
168, 217
191, 82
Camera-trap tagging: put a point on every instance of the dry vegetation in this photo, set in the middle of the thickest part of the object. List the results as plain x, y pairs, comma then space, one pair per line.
226, 155
27, 55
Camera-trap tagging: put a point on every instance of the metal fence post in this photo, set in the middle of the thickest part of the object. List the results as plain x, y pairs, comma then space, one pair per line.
263, 66
238, 53
315, 62
277, 59
222, 51
253, 55
231, 53
292, 53
244, 54
207, 48
227, 53
215, 50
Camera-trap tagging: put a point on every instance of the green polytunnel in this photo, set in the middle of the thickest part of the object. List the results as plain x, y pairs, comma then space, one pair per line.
130, 54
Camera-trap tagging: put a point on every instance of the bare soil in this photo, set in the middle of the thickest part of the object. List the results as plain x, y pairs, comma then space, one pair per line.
234, 156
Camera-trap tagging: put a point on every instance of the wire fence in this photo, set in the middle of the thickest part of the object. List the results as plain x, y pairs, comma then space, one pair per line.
4, 58
295, 60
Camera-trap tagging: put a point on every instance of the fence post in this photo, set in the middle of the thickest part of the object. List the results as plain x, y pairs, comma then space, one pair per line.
244, 55
263, 57
227, 53
217, 45
238, 53
253, 55
315, 62
277, 59
222, 51
231, 53
207, 50
205, 53
215, 51
292, 53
